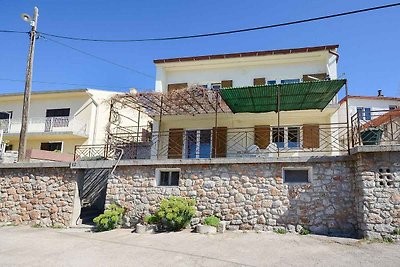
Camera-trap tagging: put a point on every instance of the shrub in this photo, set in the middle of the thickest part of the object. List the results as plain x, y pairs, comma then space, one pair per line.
174, 213
396, 231
304, 231
151, 219
212, 221
280, 231
110, 219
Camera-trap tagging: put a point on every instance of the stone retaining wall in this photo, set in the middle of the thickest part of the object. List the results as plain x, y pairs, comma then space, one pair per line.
41, 196
378, 193
247, 195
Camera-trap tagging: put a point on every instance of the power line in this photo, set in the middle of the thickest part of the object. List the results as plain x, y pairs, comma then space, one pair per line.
97, 57
228, 32
11, 31
61, 83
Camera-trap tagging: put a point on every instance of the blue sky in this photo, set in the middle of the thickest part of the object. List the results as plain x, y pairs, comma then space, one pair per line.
369, 42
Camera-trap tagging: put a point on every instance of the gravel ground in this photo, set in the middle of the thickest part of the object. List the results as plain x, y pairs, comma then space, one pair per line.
77, 247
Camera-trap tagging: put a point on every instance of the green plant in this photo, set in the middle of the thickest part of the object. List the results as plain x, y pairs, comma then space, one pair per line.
110, 219
387, 239
151, 219
36, 225
280, 231
212, 221
304, 231
396, 231
174, 213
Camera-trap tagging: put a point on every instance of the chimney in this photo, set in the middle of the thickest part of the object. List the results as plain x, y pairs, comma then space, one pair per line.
380, 92
133, 91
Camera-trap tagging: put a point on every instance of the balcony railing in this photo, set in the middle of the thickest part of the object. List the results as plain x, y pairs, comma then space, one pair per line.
377, 127
45, 125
269, 141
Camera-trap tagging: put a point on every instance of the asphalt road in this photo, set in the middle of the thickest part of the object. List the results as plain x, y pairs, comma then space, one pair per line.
25, 246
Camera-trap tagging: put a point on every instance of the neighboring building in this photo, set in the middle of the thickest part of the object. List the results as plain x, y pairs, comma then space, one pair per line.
58, 120
367, 107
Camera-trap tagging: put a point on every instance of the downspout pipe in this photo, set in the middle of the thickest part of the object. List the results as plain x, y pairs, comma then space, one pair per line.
95, 115
335, 54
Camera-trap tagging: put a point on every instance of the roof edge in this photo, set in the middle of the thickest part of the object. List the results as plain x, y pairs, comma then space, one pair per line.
369, 98
250, 54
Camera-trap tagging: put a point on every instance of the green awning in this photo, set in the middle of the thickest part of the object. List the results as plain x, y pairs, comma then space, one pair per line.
294, 96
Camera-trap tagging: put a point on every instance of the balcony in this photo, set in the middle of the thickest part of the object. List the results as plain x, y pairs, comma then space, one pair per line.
46, 125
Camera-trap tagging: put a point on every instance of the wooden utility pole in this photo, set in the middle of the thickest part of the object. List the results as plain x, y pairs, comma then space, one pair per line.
28, 84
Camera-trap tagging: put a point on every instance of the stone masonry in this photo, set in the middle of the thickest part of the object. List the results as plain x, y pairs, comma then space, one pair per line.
37, 196
378, 193
247, 196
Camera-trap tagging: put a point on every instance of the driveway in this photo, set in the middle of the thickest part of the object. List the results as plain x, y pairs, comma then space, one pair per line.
76, 247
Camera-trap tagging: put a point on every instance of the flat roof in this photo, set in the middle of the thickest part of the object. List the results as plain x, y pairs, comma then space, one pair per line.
369, 98
250, 54
47, 92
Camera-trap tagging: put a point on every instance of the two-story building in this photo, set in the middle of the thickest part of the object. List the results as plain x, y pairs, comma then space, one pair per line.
261, 103
58, 120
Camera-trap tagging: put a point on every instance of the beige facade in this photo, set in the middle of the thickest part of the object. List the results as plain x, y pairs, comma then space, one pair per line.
248, 69
58, 120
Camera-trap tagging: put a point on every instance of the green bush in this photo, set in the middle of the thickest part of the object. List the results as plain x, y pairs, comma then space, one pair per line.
151, 219
110, 219
396, 231
174, 213
212, 221
280, 231
304, 231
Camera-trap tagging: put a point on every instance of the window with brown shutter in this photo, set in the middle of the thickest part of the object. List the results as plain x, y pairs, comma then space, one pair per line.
226, 83
175, 143
176, 86
259, 81
262, 134
318, 76
311, 136
219, 140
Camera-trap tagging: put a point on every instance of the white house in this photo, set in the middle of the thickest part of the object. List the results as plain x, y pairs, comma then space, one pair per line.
296, 129
58, 120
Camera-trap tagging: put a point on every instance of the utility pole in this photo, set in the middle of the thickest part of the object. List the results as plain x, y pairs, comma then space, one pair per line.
28, 83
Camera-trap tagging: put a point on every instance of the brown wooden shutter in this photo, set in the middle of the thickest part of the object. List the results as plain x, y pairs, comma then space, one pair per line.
175, 143
176, 86
320, 76
226, 84
311, 136
219, 140
259, 81
262, 134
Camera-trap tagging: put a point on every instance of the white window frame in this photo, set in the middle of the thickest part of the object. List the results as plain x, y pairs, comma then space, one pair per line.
158, 176
197, 143
286, 136
309, 169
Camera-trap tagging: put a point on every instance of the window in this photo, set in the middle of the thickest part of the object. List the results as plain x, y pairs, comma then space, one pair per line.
198, 144
290, 81
167, 177
286, 137
392, 107
364, 113
62, 112
9, 147
293, 137
271, 82
5, 115
51, 146
297, 175
216, 86
278, 137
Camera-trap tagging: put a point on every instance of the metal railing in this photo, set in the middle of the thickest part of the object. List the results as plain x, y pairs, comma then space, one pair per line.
293, 140
377, 127
45, 124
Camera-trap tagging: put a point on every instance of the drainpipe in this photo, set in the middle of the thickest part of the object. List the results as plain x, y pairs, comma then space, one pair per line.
95, 116
335, 54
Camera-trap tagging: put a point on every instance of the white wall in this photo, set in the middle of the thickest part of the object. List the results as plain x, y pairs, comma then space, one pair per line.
243, 70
